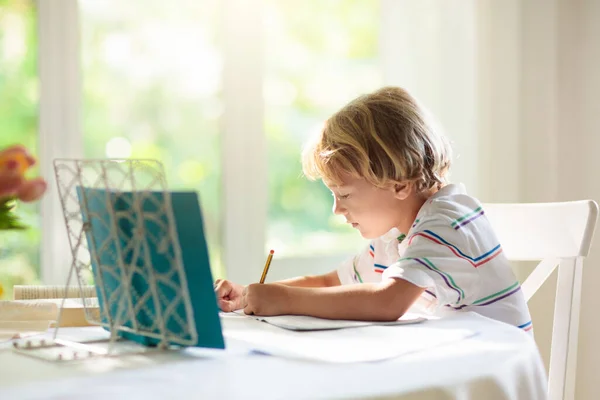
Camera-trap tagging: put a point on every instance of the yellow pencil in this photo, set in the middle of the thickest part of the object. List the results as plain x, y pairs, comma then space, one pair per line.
264, 274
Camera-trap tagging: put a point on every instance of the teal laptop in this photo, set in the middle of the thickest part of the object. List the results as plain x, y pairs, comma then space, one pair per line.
137, 276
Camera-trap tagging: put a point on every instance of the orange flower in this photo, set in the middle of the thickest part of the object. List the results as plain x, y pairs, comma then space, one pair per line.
14, 163
16, 159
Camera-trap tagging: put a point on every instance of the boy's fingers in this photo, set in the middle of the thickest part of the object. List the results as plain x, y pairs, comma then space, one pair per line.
244, 301
226, 305
216, 285
223, 289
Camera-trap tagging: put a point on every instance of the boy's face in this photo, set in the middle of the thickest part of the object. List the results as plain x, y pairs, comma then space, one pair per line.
373, 211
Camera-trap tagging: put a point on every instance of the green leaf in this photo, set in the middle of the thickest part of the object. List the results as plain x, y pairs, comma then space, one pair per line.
8, 219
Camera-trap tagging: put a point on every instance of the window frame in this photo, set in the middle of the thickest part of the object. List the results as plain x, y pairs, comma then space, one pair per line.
59, 123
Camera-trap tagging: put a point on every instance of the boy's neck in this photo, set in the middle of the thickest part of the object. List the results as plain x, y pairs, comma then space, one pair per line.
412, 206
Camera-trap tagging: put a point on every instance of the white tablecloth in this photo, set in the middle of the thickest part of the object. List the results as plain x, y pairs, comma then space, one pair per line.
500, 362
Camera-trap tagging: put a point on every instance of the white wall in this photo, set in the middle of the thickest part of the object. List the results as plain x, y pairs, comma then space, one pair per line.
577, 177
429, 47
498, 99
539, 118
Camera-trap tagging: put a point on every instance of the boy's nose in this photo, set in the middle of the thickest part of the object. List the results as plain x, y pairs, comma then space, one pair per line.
337, 210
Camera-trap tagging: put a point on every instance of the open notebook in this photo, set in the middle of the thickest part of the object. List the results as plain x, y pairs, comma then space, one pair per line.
306, 323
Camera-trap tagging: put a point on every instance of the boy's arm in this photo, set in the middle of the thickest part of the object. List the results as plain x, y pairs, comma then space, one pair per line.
229, 294
385, 301
326, 280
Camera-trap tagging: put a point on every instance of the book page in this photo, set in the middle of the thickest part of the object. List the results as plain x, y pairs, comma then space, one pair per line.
306, 323
27, 311
75, 302
26, 292
37, 311
18, 318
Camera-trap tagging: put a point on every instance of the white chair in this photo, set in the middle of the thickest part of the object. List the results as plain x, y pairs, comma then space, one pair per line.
558, 234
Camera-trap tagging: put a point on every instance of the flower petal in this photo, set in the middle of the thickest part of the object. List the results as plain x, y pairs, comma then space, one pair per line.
10, 184
32, 190
16, 156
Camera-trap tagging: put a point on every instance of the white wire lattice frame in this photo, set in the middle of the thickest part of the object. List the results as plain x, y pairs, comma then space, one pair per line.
122, 258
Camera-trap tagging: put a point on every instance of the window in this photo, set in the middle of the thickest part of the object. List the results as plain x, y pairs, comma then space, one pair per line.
151, 89
225, 93
319, 55
19, 250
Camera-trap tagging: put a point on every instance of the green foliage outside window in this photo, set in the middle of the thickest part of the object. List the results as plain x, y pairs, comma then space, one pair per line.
152, 89
19, 250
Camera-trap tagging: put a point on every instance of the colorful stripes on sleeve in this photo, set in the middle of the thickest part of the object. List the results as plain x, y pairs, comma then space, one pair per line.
474, 261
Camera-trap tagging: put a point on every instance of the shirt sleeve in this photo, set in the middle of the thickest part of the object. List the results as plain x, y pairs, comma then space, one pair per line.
355, 268
437, 257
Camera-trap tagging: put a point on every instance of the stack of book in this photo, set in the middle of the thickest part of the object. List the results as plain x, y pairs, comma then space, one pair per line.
36, 308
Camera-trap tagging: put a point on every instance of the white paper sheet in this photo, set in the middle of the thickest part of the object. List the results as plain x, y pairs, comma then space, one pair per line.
363, 344
306, 323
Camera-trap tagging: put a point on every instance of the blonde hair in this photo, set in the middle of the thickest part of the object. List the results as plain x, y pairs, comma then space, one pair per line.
382, 136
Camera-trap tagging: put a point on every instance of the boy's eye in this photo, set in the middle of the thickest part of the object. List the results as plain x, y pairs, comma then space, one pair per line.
340, 196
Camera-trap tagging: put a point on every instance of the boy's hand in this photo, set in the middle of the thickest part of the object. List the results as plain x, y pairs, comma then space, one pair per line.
266, 299
229, 295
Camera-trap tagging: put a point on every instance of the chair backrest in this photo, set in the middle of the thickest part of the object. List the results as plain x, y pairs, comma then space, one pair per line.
537, 231
557, 234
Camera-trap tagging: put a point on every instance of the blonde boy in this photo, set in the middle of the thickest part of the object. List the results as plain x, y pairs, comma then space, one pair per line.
432, 248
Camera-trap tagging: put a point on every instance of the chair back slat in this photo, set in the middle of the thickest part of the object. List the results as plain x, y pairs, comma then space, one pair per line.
538, 276
544, 230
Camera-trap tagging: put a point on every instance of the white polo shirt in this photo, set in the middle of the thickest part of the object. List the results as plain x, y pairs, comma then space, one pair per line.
452, 251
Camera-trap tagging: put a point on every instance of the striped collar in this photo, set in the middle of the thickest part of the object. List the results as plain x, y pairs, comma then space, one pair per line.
450, 189
394, 234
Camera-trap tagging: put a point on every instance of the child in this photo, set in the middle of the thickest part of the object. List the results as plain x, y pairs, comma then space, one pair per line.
432, 250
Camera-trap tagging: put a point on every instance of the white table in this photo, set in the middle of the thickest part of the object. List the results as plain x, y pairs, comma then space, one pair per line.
501, 362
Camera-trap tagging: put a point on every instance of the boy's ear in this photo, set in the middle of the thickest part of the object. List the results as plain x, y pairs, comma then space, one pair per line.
403, 189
